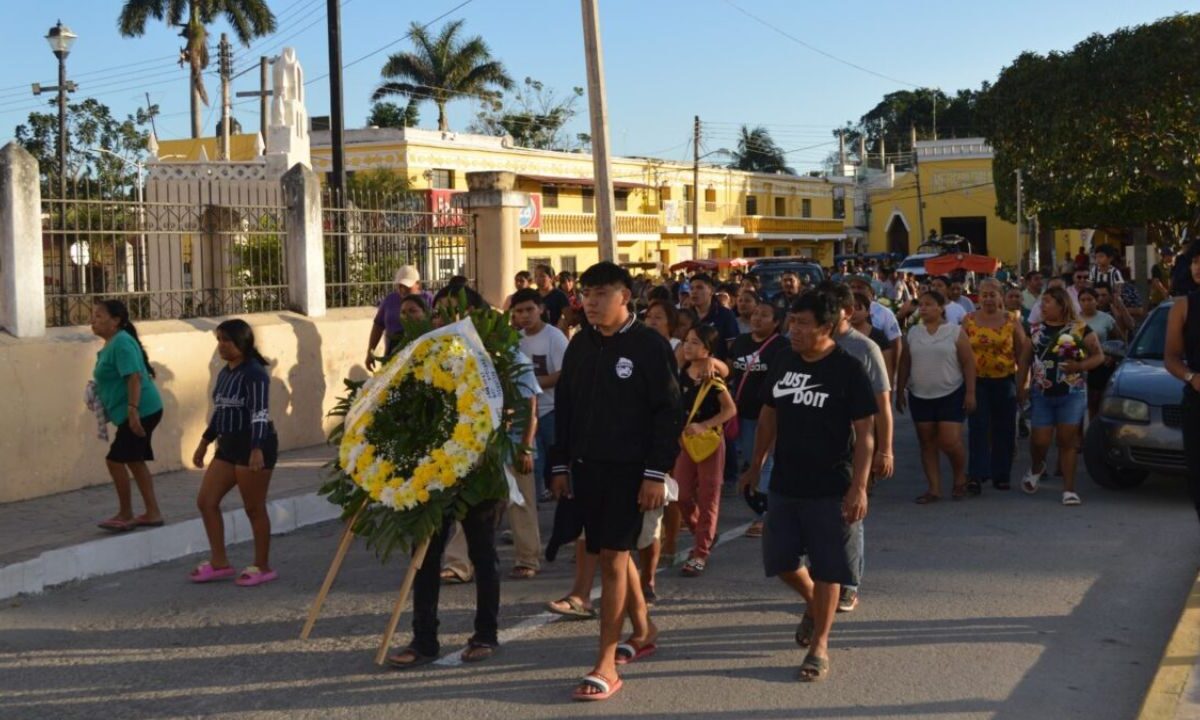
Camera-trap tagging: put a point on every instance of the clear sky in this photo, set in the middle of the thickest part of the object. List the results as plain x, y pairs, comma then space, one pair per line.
665, 60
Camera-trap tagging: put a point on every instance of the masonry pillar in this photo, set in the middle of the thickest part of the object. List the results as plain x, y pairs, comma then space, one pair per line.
22, 275
305, 241
496, 257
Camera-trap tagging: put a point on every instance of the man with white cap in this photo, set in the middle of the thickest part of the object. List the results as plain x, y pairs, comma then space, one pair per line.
389, 320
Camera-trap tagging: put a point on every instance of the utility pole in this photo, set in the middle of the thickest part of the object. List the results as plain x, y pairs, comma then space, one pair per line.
1020, 239
862, 151
696, 188
606, 218
262, 94
917, 176
882, 152
225, 65
149, 111
841, 150
337, 134
935, 113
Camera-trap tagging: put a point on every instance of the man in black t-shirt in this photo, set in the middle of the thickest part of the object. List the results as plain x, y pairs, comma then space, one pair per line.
818, 402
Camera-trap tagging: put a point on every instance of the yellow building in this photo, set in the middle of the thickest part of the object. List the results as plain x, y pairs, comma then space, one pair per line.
741, 214
951, 191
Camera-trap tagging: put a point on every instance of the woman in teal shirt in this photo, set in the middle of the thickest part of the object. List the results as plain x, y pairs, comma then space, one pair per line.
125, 387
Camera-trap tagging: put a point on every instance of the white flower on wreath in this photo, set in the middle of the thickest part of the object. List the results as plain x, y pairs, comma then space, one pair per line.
388, 497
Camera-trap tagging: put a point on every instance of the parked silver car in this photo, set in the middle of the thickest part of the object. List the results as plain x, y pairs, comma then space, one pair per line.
1140, 426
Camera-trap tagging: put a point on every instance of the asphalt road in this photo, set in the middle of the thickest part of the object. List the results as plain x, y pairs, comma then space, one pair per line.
1004, 606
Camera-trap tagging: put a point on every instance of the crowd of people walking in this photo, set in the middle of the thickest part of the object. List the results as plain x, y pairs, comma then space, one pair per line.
655, 401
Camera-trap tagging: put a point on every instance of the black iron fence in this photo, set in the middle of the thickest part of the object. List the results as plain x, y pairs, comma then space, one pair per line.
368, 237
194, 249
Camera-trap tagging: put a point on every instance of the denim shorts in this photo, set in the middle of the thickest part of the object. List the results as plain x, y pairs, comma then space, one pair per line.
1051, 410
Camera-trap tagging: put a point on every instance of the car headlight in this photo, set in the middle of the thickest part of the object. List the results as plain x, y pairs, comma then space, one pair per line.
1119, 408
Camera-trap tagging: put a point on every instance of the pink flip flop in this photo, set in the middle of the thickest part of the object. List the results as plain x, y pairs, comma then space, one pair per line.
117, 525
252, 576
205, 572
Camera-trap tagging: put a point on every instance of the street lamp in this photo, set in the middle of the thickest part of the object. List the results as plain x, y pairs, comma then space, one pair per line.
60, 38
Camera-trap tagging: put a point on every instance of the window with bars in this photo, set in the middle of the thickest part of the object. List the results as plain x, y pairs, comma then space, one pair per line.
780, 207
549, 196
441, 178
621, 199
751, 205
589, 200
806, 208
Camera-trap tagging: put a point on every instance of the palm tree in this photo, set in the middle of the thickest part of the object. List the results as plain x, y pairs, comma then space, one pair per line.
442, 69
757, 152
249, 18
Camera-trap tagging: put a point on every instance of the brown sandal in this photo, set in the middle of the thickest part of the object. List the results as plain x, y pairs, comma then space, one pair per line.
959, 492
927, 498
521, 572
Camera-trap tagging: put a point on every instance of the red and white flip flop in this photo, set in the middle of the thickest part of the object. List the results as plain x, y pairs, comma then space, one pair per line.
252, 576
627, 652
596, 682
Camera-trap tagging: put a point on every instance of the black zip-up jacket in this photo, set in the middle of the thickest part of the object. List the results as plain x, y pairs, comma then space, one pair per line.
617, 400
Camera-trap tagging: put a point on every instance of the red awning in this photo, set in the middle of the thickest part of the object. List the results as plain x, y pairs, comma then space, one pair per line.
579, 182
943, 264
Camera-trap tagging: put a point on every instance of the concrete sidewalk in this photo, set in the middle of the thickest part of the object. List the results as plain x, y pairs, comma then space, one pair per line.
1175, 692
53, 540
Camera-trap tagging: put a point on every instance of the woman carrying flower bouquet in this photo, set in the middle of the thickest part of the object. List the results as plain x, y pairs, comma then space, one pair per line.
709, 405
1062, 351
247, 448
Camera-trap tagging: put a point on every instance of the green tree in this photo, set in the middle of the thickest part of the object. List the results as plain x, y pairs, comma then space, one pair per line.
391, 115
1105, 135
757, 152
90, 126
249, 19
442, 69
533, 116
893, 119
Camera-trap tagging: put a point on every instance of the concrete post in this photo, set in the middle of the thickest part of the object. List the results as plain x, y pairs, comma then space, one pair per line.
497, 254
305, 241
22, 276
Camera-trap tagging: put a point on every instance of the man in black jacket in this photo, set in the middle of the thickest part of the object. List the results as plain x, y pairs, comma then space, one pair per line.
618, 419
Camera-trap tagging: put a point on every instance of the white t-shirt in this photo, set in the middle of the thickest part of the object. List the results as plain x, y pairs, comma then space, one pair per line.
935, 370
954, 313
885, 320
545, 350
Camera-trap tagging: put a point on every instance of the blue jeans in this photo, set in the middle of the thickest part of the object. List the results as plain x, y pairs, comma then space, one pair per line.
542, 442
1054, 410
992, 429
856, 551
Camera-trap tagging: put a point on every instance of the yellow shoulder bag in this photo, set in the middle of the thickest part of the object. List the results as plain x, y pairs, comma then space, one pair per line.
700, 447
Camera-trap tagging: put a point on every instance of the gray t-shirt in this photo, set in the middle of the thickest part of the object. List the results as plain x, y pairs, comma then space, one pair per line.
866, 351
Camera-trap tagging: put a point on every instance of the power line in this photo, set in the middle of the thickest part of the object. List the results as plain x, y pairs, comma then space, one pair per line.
815, 49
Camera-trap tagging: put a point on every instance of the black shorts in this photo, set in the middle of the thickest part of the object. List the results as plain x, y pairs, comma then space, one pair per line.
234, 449
796, 527
948, 408
129, 448
608, 495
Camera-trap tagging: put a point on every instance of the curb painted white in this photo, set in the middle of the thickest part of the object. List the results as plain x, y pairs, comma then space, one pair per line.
141, 548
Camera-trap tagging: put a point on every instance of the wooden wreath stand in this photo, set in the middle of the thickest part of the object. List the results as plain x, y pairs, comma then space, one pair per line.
418, 559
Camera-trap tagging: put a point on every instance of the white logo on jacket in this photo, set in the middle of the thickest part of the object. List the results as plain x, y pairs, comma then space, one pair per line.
624, 368
796, 385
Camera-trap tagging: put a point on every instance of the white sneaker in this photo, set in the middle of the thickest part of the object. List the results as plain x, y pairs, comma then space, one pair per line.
1030, 482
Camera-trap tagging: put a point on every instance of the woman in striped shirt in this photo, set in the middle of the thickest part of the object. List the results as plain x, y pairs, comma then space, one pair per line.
247, 448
